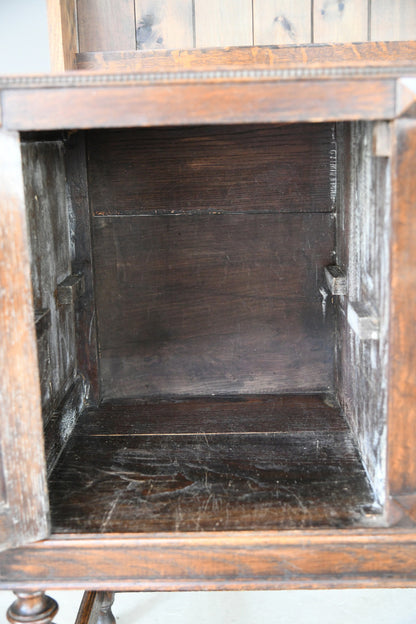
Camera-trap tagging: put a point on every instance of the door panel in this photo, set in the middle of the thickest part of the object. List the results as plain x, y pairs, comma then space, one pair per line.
23, 492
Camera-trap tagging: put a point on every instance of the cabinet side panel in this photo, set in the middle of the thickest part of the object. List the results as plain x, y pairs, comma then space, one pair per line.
21, 439
363, 230
46, 206
402, 379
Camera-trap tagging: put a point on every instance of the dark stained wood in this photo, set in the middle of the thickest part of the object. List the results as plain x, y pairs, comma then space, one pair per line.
309, 559
213, 304
32, 608
230, 100
47, 213
63, 420
239, 414
106, 25
85, 318
243, 480
363, 233
95, 608
270, 56
211, 169
21, 443
402, 381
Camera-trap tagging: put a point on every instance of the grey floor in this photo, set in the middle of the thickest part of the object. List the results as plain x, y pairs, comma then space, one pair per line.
24, 49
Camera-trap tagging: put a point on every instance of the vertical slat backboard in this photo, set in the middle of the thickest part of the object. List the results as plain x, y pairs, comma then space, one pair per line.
393, 20
277, 22
24, 499
219, 23
106, 25
337, 22
164, 24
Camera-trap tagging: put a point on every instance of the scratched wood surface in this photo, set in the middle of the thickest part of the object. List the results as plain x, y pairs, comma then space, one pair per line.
280, 22
268, 472
165, 24
213, 169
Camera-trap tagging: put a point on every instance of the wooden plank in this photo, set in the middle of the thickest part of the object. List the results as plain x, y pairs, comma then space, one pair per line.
198, 103
360, 54
106, 25
85, 321
165, 24
335, 21
401, 384
211, 481
393, 20
199, 304
216, 169
206, 561
47, 214
363, 235
242, 414
63, 34
217, 24
281, 22
22, 455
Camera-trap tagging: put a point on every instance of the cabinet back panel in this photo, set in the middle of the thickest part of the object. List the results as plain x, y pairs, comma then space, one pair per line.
214, 304
214, 169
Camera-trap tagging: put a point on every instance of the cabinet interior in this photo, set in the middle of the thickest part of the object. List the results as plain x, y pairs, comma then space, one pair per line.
201, 367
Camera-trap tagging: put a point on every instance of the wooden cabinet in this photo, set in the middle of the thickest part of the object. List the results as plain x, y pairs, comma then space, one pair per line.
207, 307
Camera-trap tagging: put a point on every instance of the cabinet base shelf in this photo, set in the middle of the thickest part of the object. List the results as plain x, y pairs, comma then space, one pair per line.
214, 464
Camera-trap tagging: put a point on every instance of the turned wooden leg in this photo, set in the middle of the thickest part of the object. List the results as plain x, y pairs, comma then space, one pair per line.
32, 608
106, 616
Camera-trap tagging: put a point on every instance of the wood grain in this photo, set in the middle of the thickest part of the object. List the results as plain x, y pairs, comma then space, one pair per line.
219, 23
281, 22
63, 34
335, 21
364, 199
393, 20
213, 304
216, 169
402, 386
23, 463
199, 561
202, 103
270, 56
106, 25
95, 608
47, 214
211, 481
84, 310
165, 24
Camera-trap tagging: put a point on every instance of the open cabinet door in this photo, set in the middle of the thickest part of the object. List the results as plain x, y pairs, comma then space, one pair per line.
23, 491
